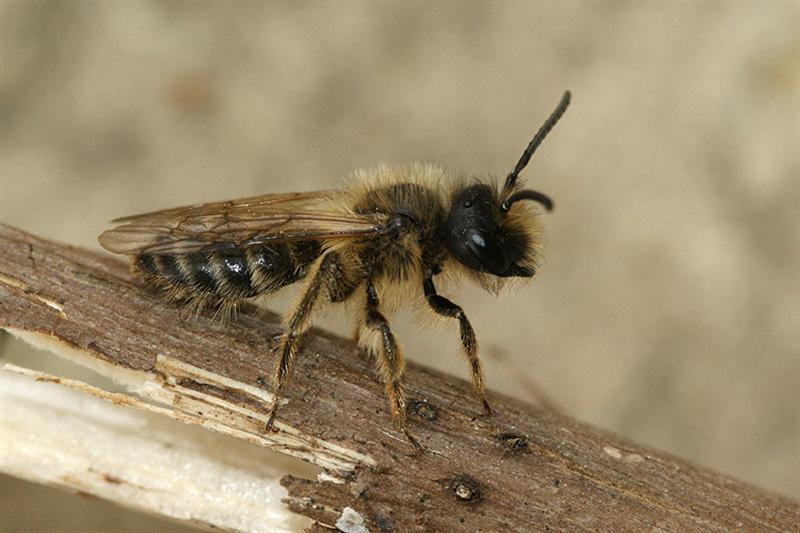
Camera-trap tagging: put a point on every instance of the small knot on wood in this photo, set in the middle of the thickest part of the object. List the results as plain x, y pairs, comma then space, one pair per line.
465, 489
423, 409
512, 442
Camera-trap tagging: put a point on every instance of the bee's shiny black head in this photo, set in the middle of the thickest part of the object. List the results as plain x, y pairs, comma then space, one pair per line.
477, 238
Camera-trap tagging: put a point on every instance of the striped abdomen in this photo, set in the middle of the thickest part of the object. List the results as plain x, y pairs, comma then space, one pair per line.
232, 274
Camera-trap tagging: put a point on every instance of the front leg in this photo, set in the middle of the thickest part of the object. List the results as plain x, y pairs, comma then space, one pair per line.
377, 339
469, 344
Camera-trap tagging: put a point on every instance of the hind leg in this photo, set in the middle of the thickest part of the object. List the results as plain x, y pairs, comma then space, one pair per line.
377, 339
296, 322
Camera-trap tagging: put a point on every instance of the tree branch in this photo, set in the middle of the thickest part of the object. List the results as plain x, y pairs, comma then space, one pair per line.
521, 469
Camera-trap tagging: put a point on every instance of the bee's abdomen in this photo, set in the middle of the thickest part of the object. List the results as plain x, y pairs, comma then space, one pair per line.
232, 274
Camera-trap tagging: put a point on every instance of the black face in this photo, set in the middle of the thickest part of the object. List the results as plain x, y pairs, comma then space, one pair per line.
477, 239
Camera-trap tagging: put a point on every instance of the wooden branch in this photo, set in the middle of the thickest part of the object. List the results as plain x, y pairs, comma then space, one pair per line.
522, 469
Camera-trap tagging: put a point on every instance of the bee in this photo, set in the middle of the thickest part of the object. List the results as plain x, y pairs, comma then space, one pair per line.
376, 242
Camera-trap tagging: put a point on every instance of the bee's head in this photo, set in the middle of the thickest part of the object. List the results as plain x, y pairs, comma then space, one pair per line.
484, 234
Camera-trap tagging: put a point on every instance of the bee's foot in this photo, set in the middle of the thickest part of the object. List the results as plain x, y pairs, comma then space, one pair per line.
270, 427
275, 340
418, 448
487, 410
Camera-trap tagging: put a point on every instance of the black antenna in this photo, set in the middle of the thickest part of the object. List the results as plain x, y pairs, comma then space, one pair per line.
511, 180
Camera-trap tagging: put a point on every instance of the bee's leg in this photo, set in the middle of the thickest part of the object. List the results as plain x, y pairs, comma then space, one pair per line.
445, 307
377, 339
296, 322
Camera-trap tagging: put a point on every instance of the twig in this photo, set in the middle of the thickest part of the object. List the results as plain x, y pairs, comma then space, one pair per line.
521, 469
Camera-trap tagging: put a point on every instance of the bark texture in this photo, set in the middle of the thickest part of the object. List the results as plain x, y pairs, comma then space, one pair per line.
523, 469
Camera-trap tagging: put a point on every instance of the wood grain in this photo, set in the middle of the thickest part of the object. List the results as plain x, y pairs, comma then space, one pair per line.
522, 469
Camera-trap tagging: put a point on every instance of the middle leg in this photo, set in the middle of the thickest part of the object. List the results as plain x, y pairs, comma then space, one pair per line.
377, 339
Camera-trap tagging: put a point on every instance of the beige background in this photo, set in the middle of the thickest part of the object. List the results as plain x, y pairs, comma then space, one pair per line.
668, 307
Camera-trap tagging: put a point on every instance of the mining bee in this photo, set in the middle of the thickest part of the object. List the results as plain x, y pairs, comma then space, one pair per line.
375, 242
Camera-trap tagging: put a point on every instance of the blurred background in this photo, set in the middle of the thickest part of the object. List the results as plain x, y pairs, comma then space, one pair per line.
667, 310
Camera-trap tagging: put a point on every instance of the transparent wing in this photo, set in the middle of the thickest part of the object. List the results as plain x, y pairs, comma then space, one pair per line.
295, 199
237, 223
